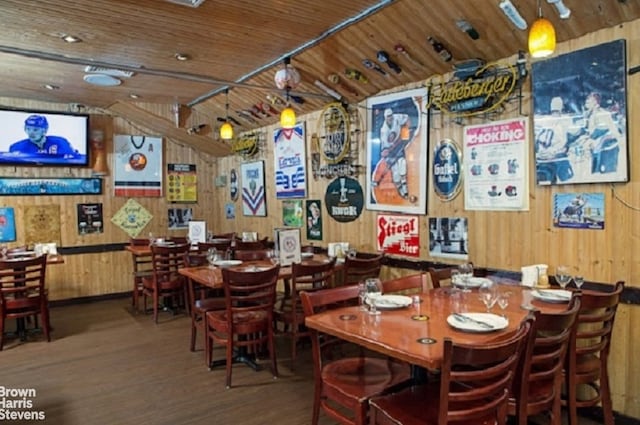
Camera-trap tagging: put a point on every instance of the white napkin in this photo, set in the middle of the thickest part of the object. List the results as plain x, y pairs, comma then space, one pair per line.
530, 274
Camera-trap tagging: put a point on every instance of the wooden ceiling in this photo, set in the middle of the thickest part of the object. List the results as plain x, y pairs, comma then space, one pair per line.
240, 44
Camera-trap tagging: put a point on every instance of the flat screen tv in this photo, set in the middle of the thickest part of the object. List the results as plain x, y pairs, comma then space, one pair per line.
36, 138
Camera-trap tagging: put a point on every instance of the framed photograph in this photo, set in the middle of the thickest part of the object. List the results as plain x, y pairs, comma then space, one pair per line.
254, 201
396, 168
580, 116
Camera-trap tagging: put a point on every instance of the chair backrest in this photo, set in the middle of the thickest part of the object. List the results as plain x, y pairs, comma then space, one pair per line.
221, 245
322, 300
311, 276
249, 246
414, 283
252, 255
595, 324
438, 275
538, 381
247, 291
195, 258
475, 379
21, 278
167, 259
179, 240
357, 269
229, 235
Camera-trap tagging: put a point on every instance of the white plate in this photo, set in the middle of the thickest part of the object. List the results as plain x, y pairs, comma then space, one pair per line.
469, 324
552, 295
392, 302
307, 255
474, 282
223, 264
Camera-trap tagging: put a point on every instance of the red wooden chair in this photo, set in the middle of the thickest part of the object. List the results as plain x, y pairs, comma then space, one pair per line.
344, 385
473, 387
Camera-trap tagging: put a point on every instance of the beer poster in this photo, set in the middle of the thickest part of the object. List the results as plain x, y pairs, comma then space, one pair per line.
398, 234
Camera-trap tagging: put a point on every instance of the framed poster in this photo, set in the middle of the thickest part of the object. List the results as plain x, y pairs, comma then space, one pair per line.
396, 175
132, 218
314, 219
580, 116
398, 234
495, 166
182, 182
290, 162
579, 210
90, 219
179, 218
7, 224
15, 186
137, 169
254, 201
448, 237
292, 214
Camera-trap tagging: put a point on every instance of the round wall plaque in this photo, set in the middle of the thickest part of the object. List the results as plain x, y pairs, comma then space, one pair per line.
447, 169
344, 199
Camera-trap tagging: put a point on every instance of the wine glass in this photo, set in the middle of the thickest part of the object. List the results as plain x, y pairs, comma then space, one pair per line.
466, 273
488, 295
562, 276
362, 296
578, 280
503, 302
373, 288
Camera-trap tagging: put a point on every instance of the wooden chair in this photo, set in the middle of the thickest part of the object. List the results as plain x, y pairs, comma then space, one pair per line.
439, 275
201, 298
415, 283
178, 240
142, 267
304, 277
252, 255
473, 387
344, 385
221, 245
230, 236
250, 246
246, 322
164, 280
588, 358
537, 387
23, 293
360, 268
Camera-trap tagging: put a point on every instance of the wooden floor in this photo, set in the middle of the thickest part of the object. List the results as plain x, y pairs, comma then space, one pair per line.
106, 365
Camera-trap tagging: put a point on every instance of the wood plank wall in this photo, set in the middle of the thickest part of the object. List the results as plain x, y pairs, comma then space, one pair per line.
503, 240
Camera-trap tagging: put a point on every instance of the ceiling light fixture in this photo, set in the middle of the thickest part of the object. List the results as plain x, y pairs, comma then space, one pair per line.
134, 96
67, 38
226, 131
288, 115
512, 13
563, 11
182, 57
542, 37
51, 87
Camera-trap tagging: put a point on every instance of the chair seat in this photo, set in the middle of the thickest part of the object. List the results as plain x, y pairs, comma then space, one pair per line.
164, 285
416, 405
245, 322
360, 378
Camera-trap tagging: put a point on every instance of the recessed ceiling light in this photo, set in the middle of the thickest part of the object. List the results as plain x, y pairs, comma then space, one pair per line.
182, 56
71, 38
134, 96
102, 80
51, 87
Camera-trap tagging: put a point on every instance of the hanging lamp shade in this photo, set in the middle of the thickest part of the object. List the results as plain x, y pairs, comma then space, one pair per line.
226, 131
288, 117
542, 38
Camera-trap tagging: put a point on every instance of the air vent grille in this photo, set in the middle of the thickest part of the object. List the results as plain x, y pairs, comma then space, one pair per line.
108, 71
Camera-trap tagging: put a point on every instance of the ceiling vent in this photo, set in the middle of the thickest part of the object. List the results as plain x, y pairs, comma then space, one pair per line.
108, 71
190, 3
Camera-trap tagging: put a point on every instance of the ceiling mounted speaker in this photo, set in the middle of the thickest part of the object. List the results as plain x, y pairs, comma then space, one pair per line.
102, 80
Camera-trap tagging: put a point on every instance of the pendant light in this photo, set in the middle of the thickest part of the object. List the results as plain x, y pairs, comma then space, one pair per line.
288, 115
542, 37
226, 130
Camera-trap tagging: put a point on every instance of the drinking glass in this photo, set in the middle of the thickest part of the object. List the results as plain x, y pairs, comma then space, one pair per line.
488, 295
456, 278
578, 280
503, 302
466, 273
362, 296
563, 277
373, 289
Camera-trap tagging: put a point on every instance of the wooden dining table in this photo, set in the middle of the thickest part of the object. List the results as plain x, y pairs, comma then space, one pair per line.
415, 334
